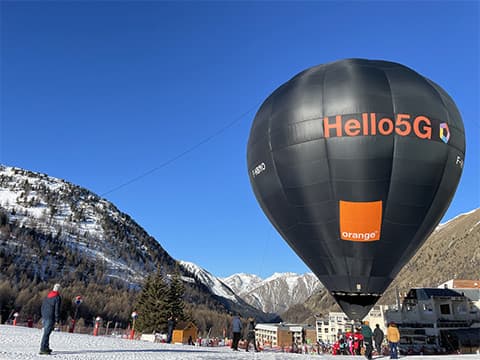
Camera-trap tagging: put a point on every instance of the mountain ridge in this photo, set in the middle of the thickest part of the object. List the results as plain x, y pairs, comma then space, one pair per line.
52, 230
275, 293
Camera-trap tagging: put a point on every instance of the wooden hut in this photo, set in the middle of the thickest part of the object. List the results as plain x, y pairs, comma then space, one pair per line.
183, 330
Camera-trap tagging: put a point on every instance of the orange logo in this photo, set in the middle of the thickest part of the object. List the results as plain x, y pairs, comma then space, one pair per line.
360, 221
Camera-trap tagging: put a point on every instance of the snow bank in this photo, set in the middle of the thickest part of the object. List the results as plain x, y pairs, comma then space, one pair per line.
23, 343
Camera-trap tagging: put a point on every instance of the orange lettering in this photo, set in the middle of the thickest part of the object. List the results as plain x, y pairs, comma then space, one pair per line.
352, 127
381, 126
398, 124
337, 126
365, 123
402, 121
373, 123
424, 132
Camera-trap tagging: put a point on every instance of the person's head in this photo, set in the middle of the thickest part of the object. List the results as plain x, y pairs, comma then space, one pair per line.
366, 322
377, 325
56, 287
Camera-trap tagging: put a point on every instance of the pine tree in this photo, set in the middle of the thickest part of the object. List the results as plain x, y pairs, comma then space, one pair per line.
176, 306
152, 305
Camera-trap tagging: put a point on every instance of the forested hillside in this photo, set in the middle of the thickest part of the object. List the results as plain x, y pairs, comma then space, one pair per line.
53, 231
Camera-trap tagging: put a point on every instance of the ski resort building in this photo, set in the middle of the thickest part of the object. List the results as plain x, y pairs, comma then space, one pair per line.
377, 316
469, 288
429, 319
284, 335
433, 319
328, 327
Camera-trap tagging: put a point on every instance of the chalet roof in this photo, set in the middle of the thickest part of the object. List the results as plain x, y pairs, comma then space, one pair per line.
472, 294
184, 325
428, 293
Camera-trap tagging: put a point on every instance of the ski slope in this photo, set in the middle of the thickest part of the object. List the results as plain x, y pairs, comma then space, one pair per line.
23, 343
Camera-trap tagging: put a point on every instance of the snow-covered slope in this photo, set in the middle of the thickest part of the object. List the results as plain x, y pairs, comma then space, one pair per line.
21, 343
272, 295
212, 282
69, 222
276, 293
218, 288
242, 283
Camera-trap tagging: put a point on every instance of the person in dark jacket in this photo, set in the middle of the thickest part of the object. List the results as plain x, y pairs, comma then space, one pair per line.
367, 339
378, 337
251, 334
50, 316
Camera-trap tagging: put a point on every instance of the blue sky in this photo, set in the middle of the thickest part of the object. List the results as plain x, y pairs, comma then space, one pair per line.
100, 93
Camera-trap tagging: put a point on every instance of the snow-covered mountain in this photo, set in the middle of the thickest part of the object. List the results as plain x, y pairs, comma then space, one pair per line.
242, 283
276, 293
218, 288
272, 295
205, 277
59, 225
52, 230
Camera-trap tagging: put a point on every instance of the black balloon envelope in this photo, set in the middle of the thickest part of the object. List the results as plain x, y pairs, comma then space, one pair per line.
355, 163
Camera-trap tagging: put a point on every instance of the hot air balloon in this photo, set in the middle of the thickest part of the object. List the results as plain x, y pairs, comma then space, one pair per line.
355, 162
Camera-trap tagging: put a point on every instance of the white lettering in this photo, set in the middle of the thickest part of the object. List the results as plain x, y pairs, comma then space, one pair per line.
358, 236
258, 169
459, 161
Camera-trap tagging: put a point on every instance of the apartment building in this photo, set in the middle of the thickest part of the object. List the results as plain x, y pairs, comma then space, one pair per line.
329, 326
283, 335
433, 319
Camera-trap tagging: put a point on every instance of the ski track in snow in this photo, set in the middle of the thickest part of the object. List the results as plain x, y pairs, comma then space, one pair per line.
23, 343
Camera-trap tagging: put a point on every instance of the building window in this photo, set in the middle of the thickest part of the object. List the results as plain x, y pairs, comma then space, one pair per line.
462, 309
445, 309
427, 308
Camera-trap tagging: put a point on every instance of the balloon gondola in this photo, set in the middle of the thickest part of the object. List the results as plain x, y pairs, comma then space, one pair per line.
355, 163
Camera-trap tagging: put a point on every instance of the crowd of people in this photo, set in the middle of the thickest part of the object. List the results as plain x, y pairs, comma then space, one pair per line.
362, 340
365, 341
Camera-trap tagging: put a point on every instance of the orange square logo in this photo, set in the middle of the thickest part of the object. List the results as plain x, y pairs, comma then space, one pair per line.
360, 221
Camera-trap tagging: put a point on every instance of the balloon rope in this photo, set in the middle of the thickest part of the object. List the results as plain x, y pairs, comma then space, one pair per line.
184, 152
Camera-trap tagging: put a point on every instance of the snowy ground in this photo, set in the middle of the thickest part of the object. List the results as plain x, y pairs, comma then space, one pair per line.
23, 343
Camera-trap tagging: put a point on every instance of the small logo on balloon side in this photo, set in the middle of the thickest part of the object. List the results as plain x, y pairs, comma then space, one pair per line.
459, 161
444, 132
258, 169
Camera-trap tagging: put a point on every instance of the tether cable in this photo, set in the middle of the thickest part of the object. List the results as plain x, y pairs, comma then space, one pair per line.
183, 153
